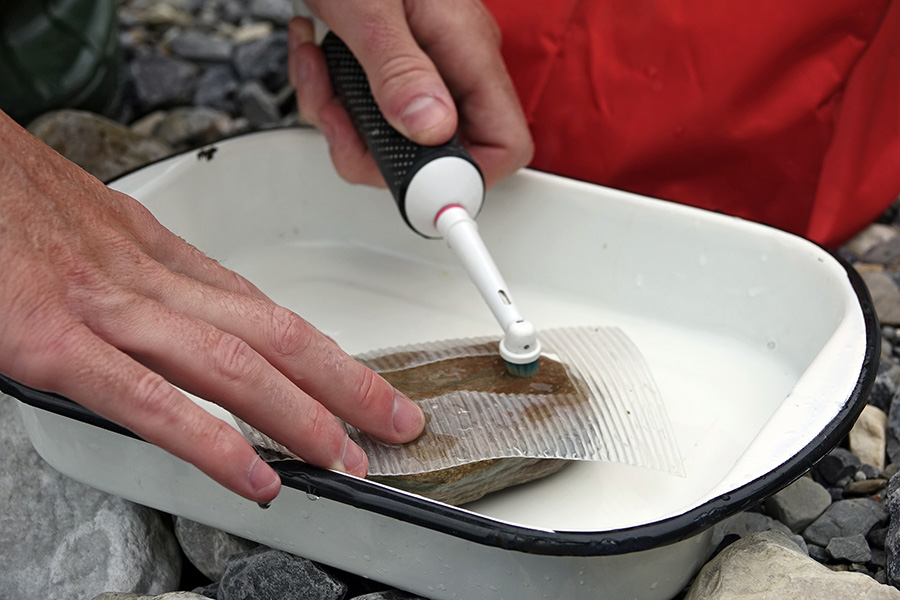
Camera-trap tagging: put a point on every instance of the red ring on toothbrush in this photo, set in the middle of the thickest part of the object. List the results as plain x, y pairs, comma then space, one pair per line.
440, 212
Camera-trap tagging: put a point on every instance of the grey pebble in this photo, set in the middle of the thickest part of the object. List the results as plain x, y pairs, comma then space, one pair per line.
852, 548
845, 518
258, 105
192, 45
838, 467
267, 574
264, 59
161, 81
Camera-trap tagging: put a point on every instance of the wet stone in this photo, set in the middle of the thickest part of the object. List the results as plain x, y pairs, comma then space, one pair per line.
769, 565
98, 145
853, 548
264, 59
209, 548
799, 504
62, 539
217, 88
267, 574
389, 595
885, 296
845, 518
202, 47
278, 12
160, 81
867, 438
870, 238
839, 464
865, 487
194, 125
258, 105
748, 523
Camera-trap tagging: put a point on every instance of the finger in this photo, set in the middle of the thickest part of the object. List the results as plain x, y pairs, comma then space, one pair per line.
319, 107
405, 83
305, 356
117, 387
224, 369
464, 41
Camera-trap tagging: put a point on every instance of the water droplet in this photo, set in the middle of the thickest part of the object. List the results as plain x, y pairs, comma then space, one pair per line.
312, 497
304, 514
654, 585
366, 557
771, 345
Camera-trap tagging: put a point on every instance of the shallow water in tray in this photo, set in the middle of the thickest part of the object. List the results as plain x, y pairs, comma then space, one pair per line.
719, 391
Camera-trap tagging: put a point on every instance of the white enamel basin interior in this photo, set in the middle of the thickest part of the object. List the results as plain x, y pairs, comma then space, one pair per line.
755, 337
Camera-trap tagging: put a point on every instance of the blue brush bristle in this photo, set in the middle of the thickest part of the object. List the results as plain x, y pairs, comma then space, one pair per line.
526, 370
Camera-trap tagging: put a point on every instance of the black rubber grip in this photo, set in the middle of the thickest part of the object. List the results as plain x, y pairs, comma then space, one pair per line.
398, 158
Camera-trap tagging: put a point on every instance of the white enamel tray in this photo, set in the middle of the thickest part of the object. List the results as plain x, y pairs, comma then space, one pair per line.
763, 346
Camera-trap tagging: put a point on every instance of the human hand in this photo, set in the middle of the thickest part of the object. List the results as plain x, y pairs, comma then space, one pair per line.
424, 60
103, 305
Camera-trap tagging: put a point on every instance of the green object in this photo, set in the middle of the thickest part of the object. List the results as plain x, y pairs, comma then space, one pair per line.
59, 53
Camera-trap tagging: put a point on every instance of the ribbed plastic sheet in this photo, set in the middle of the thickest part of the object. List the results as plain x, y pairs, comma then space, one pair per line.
613, 413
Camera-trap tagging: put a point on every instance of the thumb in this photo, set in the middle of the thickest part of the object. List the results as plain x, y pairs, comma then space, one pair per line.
405, 83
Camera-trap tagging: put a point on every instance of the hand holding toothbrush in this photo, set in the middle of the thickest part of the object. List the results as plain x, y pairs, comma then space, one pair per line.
423, 59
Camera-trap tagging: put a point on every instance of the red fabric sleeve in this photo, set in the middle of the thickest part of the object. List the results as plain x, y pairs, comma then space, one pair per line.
783, 113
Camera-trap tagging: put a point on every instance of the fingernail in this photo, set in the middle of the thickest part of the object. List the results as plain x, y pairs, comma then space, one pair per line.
354, 459
262, 477
423, 113
407, 416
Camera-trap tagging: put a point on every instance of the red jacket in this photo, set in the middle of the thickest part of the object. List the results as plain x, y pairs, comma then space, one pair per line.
787, 113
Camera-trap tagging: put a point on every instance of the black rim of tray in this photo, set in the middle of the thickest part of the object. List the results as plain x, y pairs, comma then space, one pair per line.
466, 525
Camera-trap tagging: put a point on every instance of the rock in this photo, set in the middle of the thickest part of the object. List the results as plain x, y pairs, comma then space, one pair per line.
866, 487
264, 59
747, 523
208, 548
208, 591
63, 540
892, 538
389, 595
852, 548
100, 146
839, 464
869, 238
885, 252
278, 12
161, 81
166, 596
769, 565
886, 384
845, 518
799, 504
146, 125
868, 436
251, 32
193, 45
258, 105
192, 126
885, 296
217, 88
266, 574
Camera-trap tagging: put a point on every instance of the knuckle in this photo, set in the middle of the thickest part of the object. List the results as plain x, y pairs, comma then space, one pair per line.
233, 358
290, 334
154, 397
368, 388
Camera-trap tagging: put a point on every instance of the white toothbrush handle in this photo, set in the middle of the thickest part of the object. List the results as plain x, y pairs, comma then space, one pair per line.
459, 230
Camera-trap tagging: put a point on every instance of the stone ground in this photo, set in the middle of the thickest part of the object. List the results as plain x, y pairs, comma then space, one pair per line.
200, 70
